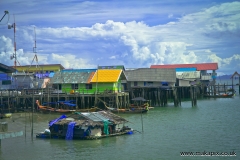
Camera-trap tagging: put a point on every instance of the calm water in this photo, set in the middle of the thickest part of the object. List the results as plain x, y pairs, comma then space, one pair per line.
214, 125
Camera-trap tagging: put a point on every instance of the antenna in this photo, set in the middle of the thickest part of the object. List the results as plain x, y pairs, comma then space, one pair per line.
5, 12
35, 50
14, 56
36, 59
35, 45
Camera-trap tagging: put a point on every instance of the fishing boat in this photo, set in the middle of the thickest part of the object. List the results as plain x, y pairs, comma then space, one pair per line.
220, 96
131, 111
139, 105
7, 115
66, 107
86, 126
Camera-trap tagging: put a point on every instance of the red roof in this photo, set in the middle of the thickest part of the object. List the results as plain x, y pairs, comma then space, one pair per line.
199, 67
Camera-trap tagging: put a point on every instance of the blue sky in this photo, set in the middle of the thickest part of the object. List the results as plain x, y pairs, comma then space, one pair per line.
133, 33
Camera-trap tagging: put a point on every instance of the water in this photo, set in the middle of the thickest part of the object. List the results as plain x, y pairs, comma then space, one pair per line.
212, 126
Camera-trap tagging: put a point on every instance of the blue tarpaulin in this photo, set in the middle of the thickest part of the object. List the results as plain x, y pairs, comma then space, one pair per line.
69, 134
55, 120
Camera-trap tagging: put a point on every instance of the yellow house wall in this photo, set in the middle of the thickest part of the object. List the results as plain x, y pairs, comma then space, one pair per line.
38, 69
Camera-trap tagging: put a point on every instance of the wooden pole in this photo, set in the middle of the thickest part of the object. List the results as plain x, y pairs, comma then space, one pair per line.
142, 121
239, 84
32, 115
191, 93
25, 125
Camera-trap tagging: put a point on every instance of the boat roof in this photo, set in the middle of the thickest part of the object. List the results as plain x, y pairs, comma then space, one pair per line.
91, 118
95, 116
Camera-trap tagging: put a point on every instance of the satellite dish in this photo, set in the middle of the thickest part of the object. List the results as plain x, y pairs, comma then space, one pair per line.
11, 57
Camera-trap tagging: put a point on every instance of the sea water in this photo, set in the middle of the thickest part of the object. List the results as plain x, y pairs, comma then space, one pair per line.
213, 126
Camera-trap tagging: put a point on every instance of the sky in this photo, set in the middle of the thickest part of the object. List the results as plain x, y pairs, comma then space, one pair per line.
135, 33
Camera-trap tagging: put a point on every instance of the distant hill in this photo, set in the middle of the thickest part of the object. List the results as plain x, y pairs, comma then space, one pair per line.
224, 77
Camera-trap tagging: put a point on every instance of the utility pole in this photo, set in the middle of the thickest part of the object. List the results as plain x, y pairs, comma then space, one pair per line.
14, 56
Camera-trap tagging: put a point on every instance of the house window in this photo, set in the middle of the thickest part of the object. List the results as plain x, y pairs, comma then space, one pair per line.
88, 86
6, 82
149, 83
164, 83
135, 83
74, 86
60, 87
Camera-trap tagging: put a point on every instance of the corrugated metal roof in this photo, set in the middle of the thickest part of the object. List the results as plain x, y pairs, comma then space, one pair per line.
189, 75
90, 77
200, 66
6, 69
79, 70
151, 74
112, 67
185, 69
107, 75
95, 116
74, 76
42, 65
98, 117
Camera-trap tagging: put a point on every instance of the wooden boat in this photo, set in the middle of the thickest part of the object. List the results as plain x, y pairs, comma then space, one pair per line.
219, 96
48, 109
131, 111
140, 103
5, 115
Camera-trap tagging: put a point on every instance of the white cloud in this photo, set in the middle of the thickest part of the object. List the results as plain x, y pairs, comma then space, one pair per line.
70, 61
195, 38
113, 57
232, 62
170, 15
207, 51
7, 50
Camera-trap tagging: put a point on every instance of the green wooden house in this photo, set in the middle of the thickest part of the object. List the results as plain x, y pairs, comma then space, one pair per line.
73, 80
